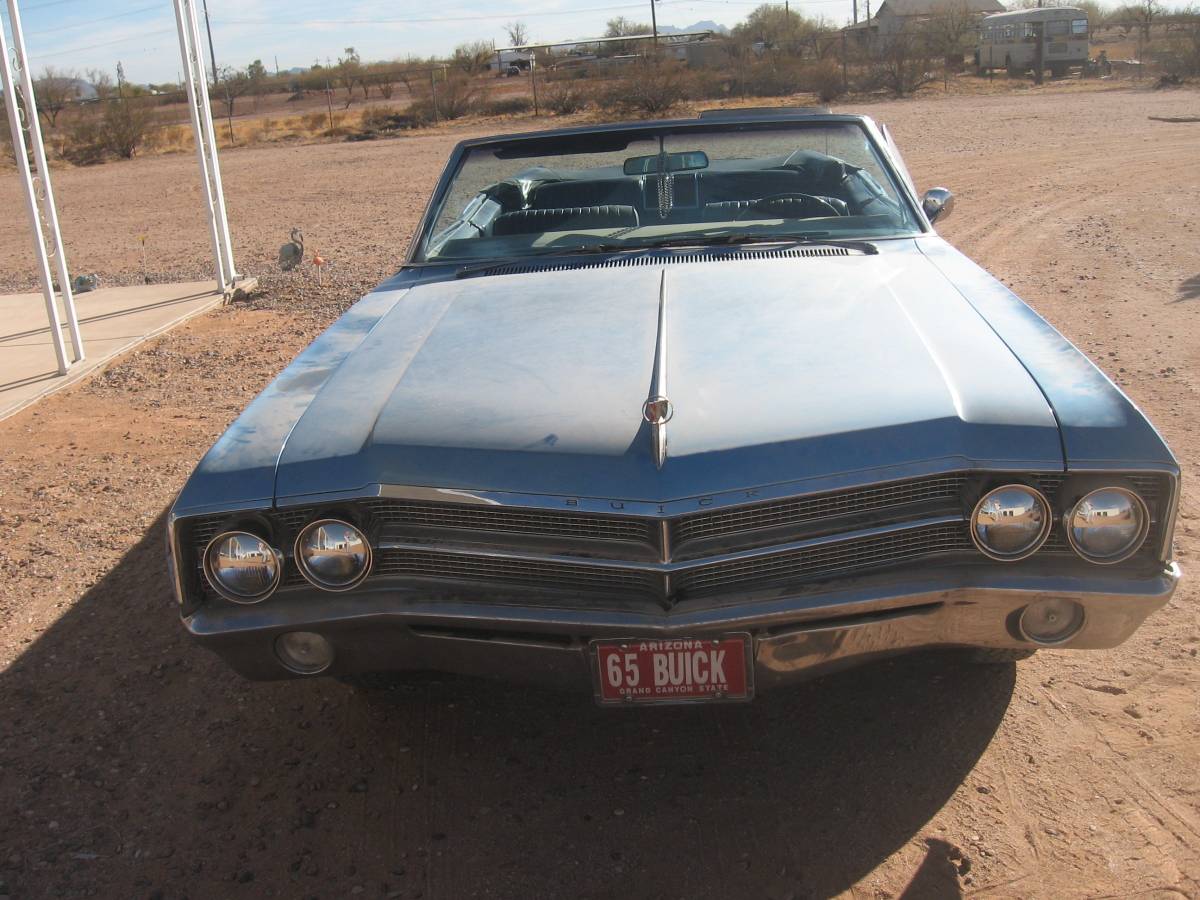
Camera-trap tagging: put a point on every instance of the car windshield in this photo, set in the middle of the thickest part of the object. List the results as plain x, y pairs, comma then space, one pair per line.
639, 189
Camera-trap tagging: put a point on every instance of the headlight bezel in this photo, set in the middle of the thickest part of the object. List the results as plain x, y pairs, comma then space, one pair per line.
224, 590
1038, 542
314, 579
1131, 549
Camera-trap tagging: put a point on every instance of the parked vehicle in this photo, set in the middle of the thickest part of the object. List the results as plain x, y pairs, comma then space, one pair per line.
677, 411
1010, 40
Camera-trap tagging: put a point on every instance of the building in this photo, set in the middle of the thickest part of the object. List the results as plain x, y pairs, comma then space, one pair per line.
894, 17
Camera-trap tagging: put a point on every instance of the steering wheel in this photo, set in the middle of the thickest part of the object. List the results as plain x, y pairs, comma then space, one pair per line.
813, 206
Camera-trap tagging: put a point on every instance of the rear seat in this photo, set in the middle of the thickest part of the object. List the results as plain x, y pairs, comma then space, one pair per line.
601, 192
533, 221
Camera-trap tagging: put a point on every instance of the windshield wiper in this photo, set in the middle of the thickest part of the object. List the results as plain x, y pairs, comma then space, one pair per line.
469, 269
725, 240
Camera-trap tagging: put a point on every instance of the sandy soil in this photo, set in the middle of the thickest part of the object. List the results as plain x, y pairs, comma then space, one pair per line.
134, 765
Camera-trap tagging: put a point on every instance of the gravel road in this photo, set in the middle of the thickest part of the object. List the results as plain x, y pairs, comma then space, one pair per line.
134, 765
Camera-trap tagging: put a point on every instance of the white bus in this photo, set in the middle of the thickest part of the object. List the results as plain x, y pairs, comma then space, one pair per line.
1008, 40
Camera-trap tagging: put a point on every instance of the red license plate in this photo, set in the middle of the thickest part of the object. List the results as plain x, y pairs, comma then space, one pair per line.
670, 671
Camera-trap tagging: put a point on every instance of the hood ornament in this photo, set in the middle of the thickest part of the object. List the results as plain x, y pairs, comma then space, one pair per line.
657, 411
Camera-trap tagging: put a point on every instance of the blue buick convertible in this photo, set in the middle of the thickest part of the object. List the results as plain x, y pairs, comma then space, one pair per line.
676, 412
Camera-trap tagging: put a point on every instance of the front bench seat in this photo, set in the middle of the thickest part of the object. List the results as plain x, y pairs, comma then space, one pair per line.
533, 221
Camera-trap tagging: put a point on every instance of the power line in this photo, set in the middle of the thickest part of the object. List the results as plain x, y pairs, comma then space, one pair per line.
132, 12
132, 37
434, 19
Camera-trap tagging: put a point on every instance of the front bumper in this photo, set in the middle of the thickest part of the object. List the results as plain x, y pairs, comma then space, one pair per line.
794, 636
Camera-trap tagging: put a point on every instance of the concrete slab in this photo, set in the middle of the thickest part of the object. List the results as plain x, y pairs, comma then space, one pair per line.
111, 320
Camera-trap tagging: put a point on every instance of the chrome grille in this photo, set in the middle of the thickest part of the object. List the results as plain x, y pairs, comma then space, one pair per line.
581, 554
785, 513
536, 574
831, 559
506, 520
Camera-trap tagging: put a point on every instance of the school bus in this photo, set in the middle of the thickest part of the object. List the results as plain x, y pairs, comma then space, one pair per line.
1009, 40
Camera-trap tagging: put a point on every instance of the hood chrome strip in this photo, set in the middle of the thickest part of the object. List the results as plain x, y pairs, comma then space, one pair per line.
658, 384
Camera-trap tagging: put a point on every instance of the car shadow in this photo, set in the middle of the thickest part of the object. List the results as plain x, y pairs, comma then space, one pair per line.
137, 765
1189, 289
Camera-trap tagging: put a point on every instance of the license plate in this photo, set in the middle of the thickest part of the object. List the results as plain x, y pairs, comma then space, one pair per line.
673, 671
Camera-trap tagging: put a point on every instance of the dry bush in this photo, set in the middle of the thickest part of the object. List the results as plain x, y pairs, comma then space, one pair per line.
314, 121
564, 97
506, 106
454, 97
824, 78
85, 145
650, 87
902, 66
771, 78
1179, 54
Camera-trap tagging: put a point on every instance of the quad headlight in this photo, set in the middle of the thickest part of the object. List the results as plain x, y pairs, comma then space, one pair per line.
333, 555
1010, 522
242, 567
1107, 525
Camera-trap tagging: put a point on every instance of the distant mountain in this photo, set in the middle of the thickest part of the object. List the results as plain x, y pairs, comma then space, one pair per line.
706, 25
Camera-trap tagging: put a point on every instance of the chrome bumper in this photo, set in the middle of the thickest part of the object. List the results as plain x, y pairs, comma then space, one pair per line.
794, 636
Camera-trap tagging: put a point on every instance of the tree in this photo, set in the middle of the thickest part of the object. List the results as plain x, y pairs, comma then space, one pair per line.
950, 30
256, 74
517, 33
232, 84
101, 83
53, 91
474, 57
349, 71
902, 64
126, 126
623, 27
1141, 15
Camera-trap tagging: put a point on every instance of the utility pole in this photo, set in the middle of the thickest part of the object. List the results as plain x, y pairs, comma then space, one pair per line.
1039, 56
855, 12
212, 54
654, 23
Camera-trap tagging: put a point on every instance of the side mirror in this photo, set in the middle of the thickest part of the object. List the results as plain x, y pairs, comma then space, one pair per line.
937, 203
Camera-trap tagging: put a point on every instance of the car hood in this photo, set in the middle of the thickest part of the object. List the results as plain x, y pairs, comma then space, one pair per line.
806, 369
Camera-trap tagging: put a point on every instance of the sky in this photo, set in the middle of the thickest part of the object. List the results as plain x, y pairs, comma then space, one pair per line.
85, 34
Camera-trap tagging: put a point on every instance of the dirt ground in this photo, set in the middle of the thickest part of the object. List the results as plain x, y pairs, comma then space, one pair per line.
132, 764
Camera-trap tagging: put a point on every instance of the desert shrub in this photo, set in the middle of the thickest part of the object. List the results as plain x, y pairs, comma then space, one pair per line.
84, 144
126, 126
315, 121
824, 78
564, 97
506, 106
377, 118
420, 113
649, 87
771, 78
902, 66
1179, 54
454, 97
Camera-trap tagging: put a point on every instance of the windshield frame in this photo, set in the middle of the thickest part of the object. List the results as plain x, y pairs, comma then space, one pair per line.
634, 131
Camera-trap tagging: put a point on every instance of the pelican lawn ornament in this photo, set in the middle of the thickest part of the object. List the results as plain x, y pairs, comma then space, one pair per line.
291, 254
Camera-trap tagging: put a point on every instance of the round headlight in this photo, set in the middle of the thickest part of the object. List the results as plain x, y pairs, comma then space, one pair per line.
1108, 525
1010, 522
242, 567
333, 555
